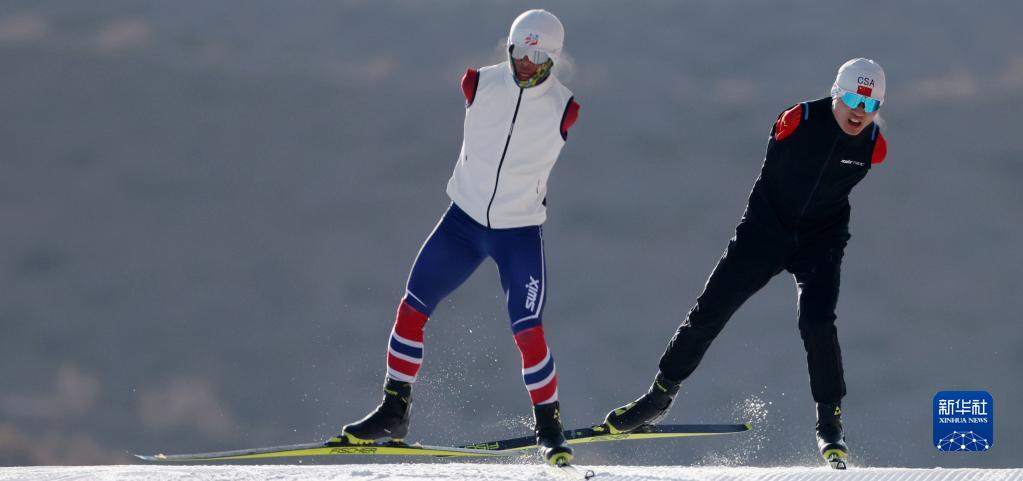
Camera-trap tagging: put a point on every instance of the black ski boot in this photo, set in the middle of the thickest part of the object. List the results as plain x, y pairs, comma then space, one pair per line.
831, 436
648, 409
389, 419
550, 436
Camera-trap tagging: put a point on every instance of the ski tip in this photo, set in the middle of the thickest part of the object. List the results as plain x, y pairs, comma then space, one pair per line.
748, 426
150, 457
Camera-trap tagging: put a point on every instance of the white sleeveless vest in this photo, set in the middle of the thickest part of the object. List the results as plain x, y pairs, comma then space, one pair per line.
512, 138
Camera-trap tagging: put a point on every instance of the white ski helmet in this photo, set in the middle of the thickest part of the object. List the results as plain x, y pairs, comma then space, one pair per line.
539, 33
860, 76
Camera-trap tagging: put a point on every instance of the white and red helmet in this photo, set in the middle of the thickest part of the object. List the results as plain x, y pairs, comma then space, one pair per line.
538, 34
860, 76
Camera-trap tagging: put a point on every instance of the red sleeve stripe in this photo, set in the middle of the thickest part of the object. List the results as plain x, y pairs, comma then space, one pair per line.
569, 117
880, 149
470, 81
787, 122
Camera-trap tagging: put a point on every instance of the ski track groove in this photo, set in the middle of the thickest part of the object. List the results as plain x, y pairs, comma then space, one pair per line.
492, 472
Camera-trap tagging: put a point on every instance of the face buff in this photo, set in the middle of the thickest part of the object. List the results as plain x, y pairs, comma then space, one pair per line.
541, 74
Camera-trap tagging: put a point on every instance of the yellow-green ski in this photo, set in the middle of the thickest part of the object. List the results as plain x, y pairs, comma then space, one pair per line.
602, 433
324, 449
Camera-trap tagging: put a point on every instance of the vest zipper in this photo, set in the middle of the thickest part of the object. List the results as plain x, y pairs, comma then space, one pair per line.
507, 141
820, 175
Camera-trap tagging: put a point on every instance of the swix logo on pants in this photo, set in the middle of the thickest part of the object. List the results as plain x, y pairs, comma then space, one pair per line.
532, 289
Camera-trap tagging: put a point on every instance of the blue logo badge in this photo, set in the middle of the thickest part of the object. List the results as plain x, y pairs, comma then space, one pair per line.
964, 421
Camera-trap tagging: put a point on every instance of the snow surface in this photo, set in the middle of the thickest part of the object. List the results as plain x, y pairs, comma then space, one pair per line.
496, 472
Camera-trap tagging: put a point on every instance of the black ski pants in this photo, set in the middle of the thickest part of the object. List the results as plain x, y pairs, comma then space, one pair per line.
753, 257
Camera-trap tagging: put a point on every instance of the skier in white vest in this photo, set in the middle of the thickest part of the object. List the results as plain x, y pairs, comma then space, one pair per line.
517, 118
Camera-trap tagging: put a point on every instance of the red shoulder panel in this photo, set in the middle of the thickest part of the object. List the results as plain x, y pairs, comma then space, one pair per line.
880, 149
569, 118
787, 122
470, 81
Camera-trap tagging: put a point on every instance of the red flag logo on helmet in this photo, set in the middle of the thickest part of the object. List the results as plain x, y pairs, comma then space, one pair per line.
864, 90
532, 40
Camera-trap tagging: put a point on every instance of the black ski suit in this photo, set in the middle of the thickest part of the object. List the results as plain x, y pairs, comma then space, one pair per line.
797, 220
